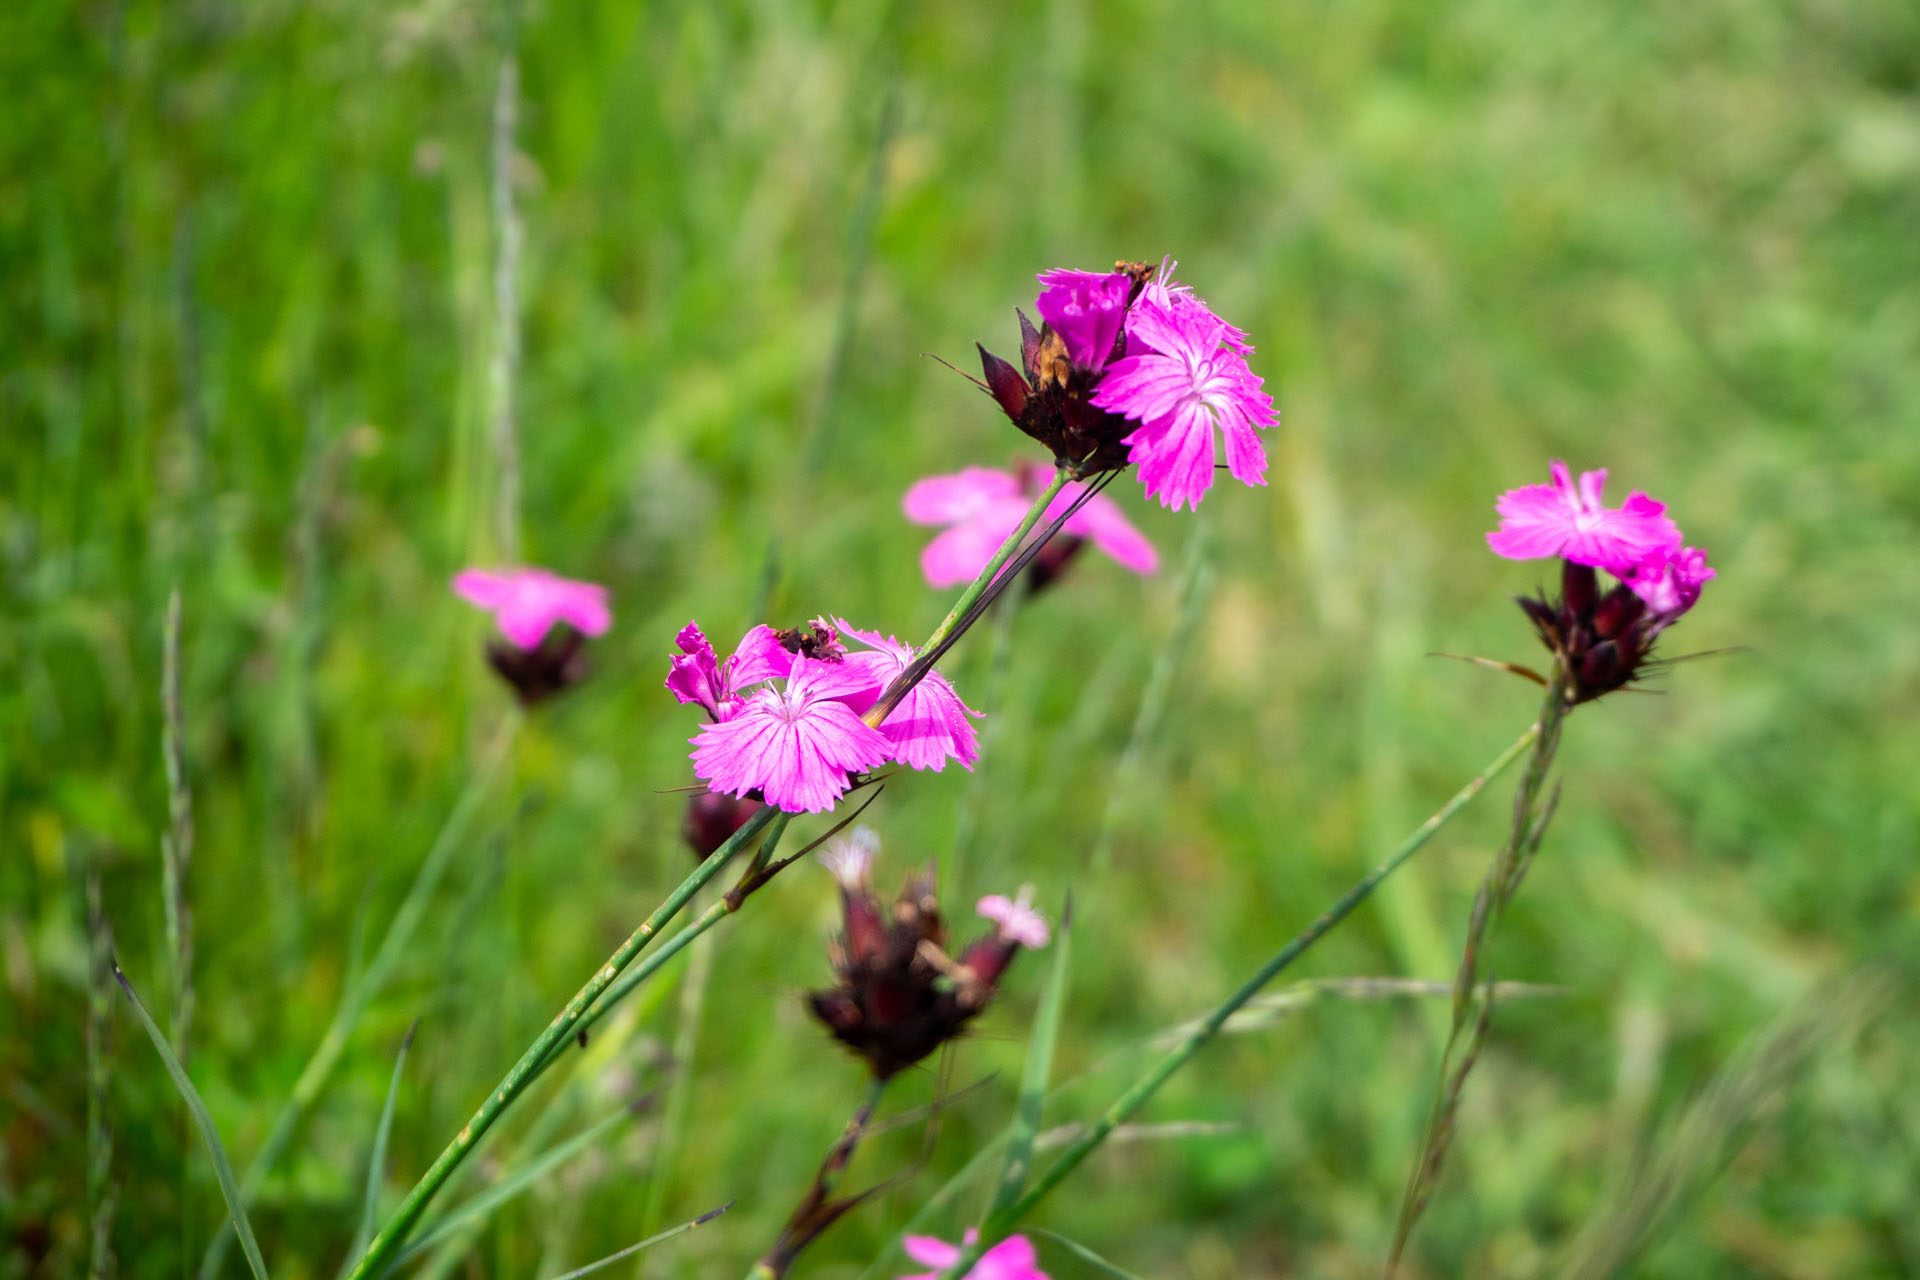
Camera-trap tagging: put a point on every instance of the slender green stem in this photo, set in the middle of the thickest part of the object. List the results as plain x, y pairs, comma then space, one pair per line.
394, 1234
1503, 877
1127, 1104
966, 828
992, 570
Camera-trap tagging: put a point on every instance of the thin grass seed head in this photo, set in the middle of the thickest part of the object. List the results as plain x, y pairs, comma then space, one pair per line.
1601, 634
898, 994
544, 621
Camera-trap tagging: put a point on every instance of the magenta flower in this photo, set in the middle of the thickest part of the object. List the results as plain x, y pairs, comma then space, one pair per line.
798, 744
525, 603
1670, 582
1186, 373
1086, 308
1568, 520
786, 713
1011, 1259
696, 676
1601, 636
931, 724
982, 508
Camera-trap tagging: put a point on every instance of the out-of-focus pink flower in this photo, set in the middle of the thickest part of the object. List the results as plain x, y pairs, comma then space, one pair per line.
797, 744
1186, 373
1670, 582
983, 507
930, 724
1568, 520
1086, 308
1011, 1259
850, 857
525, 603
1018, 920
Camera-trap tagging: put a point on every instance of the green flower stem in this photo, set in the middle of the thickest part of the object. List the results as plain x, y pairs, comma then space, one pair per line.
387, 1244
1007, 548
1127, 1104
672, 947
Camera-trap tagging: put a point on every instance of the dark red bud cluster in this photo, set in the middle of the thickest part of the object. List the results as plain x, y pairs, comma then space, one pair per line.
898, 995
556, 664
1602, 639
712, 818
1051, 399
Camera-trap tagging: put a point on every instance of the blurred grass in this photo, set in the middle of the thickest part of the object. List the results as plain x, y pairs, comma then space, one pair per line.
245, 259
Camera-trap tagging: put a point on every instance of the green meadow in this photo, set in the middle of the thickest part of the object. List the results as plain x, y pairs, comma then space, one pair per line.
252, 350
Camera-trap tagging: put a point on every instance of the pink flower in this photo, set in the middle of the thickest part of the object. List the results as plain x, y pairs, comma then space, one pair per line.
696, 676
931, 723
984, 506
1670, 581
1017, 919
1185, 375
1086, 308
1011, 1259
527, 602
796, 745
1562, 519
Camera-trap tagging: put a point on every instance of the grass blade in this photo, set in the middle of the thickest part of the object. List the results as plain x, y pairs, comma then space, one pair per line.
358, 994
632, 1249
222, 1168
1033, 1083
506, 1189
1085, 1255
377, 1162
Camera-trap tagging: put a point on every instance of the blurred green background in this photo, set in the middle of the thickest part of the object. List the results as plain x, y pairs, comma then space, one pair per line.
246, 341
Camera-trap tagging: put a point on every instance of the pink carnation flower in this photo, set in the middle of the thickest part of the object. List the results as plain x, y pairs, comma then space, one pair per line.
1011, 1259
789, 725
696, 676
1670, 582
796, 744
983, 506
1568, 520
1186, 373
1086, 308
525, 603
931, 724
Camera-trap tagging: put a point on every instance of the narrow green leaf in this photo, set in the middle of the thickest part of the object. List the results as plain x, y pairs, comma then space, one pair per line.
506, 1189
1085, 1254
377, 1163
222, 1167
632, 1249
1033, 1083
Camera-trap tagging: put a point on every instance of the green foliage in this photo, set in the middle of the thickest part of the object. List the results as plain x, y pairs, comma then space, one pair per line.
245, 328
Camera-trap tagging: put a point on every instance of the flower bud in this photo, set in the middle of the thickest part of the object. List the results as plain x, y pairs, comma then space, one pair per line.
712, 818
